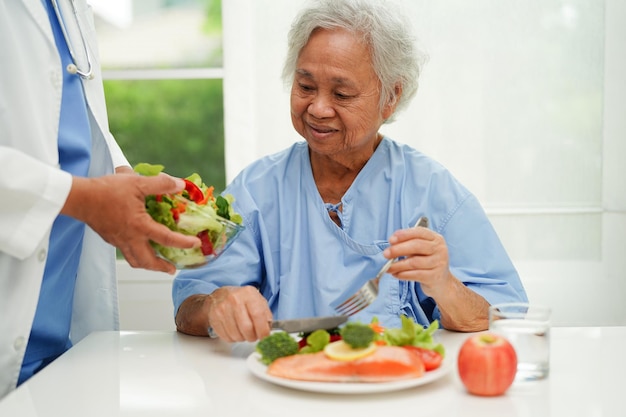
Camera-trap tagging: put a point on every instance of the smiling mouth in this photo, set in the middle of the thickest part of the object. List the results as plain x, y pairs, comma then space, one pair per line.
322, 129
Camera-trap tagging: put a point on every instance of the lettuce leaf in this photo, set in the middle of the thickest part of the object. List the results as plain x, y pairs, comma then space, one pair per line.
413, 334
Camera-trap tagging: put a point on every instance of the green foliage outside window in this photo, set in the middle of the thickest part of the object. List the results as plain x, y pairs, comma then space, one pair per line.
176, 123
213, 24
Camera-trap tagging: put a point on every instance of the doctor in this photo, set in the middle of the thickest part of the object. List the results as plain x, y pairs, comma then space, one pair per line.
63, 210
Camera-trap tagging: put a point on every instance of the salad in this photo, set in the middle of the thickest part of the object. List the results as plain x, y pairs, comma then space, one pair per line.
355, 340
194, 211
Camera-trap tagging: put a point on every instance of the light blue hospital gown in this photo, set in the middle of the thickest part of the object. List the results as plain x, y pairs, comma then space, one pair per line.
303, 263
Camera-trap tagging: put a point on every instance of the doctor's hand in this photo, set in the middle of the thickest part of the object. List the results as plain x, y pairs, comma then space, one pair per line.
114, 207
235, 314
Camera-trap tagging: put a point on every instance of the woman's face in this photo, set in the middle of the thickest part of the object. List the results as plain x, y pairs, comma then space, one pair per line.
335, 96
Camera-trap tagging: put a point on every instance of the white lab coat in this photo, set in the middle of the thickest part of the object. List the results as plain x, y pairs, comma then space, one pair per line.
33, 188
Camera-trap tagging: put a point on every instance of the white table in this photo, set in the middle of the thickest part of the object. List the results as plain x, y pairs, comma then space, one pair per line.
169, 374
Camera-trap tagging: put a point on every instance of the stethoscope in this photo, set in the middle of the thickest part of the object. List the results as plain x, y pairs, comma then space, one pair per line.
73, 68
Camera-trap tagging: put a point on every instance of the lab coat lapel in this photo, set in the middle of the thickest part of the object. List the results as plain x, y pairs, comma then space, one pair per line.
36, 9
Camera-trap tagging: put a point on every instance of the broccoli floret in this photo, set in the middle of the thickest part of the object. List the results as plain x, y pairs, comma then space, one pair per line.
358, 335
275, 346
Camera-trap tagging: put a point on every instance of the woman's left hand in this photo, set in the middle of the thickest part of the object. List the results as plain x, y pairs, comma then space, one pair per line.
425, 258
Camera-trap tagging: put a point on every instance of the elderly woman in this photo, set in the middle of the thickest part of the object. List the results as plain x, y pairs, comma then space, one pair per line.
324, 215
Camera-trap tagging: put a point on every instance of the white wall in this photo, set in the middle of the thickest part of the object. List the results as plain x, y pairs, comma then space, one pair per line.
523, 101
145, 299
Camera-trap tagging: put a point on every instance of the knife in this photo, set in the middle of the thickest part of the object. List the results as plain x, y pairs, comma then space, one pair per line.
309, 324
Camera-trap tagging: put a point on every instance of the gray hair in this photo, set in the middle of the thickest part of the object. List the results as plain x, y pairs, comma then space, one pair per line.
396, 58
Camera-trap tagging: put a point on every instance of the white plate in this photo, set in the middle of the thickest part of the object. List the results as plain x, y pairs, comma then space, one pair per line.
260, 370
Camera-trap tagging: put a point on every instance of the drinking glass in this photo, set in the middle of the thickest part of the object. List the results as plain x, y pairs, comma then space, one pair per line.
527, 327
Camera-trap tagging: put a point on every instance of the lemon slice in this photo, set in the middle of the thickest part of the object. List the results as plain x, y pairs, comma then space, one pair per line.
341, 351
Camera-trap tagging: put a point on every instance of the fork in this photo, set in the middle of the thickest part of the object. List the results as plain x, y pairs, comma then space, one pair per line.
369, 291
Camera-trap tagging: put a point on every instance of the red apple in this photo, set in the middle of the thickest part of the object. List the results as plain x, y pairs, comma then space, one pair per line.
487, 364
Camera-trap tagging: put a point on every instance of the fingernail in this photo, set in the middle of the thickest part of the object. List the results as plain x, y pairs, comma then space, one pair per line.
180, 184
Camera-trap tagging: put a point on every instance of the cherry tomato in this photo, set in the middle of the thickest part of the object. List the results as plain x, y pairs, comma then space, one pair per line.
432, 360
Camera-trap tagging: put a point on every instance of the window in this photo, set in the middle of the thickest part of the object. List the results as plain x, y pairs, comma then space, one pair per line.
163, 82
522, 101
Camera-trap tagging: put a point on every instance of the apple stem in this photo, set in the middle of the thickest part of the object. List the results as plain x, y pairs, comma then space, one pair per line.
488, 338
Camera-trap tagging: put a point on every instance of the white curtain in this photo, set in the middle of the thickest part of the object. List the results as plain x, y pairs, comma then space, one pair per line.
522, 100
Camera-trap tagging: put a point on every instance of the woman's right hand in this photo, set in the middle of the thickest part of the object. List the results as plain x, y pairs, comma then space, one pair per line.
239, 314
234, 314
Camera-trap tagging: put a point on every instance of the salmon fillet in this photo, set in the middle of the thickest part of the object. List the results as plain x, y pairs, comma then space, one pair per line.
387, 363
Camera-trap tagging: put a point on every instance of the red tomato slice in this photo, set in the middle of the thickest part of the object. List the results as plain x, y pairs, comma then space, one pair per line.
207, 246
432, 360
195, 193
175, 214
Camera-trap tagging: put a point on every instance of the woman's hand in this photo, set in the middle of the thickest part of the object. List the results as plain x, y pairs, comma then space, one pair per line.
426, 261
239, 313
235, 314
426, 258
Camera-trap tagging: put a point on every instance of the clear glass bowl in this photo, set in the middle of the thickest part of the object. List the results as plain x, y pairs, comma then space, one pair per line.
196, 257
